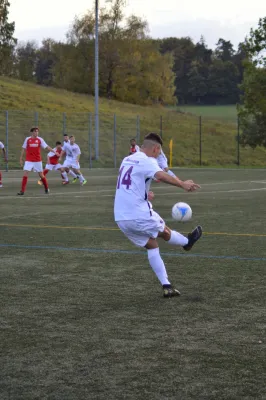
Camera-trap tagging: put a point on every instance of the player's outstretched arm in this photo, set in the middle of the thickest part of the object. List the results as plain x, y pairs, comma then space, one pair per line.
188, 186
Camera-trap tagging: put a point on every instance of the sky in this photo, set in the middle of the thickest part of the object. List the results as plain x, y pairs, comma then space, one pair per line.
230, 19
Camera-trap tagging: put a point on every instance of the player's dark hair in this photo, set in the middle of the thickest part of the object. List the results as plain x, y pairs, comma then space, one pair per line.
65, 134
132, 139
71, 136
57, 143
154, 137
34, 128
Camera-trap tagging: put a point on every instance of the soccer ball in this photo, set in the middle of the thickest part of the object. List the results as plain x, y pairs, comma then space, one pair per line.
181, 212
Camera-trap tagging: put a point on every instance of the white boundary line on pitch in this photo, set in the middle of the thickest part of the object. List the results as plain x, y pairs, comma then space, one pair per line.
113, 194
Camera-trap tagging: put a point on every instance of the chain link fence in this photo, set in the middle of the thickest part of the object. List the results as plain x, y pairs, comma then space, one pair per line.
197, 141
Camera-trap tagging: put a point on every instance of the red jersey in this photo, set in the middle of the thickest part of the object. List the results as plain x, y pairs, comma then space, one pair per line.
33, 148
133, 149
53, 159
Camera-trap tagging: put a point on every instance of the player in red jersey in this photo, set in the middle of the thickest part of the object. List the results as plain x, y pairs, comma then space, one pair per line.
133, 147
53, 163
32, 145
2, 147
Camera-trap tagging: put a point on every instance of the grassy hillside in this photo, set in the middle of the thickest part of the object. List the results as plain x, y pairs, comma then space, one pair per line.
228, 112
29, 104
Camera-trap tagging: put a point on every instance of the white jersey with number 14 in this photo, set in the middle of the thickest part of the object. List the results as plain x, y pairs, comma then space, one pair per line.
131, 201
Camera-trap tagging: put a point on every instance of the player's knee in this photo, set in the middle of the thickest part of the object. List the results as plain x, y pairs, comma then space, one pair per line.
167, 234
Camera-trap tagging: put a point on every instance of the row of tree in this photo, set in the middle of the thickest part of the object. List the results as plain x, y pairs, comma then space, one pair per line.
133, 67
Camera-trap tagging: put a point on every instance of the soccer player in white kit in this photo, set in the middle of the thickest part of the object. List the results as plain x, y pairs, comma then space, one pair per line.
2, 147
163, 163
72, 151
133, 212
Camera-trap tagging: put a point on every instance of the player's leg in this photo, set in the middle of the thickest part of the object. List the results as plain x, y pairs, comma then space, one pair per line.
82, 180
64, 176
27, 169
44, 181
177, 239
48, 168
1, 184
144, 234
158, 267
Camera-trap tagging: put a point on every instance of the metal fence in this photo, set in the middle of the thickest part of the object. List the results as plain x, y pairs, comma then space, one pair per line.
197, 141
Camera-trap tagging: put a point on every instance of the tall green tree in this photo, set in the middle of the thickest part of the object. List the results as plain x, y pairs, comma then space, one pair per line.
252, 113
45, 62
7, 40
26, 58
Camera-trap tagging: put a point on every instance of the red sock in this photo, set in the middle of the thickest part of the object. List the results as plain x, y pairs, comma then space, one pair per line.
45, 172
45, 183
0, 178
24, 183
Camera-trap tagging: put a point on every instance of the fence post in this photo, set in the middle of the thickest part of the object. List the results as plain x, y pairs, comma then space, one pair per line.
6, 144
161, 126
90, 140
115, 140
200, 141
138, 129
238, 141
36, 118
64, 123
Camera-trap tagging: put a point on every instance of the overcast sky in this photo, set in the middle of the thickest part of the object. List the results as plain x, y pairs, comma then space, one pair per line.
229, 19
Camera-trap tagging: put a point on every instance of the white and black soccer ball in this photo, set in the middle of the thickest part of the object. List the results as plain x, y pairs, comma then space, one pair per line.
181, 212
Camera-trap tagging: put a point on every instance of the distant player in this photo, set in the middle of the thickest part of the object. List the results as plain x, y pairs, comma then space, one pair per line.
53, 163
67, 160
2, 147
133, 212
32, 146
133, 147
72, 152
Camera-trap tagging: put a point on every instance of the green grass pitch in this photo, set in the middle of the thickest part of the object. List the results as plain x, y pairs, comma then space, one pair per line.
83, 317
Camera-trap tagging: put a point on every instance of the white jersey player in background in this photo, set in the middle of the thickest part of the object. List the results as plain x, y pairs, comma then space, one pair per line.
66, 162
163, 163
134, 215
72, 152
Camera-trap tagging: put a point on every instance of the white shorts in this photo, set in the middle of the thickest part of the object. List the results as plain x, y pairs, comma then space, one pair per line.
52, 167
139, 231
71, 164
33, 166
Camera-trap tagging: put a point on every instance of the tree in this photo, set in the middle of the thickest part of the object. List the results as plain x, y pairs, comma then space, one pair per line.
45, 62
224, 50
26, 58
252, 113
7, 41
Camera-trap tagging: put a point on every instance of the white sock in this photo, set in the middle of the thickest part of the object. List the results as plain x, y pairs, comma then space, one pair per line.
64, 174
81, 178
170, 173
72, 174
158, 266
177, 239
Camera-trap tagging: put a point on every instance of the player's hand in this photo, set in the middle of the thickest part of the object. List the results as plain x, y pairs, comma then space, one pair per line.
151, 196
57, 154
190, 186
21, 162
